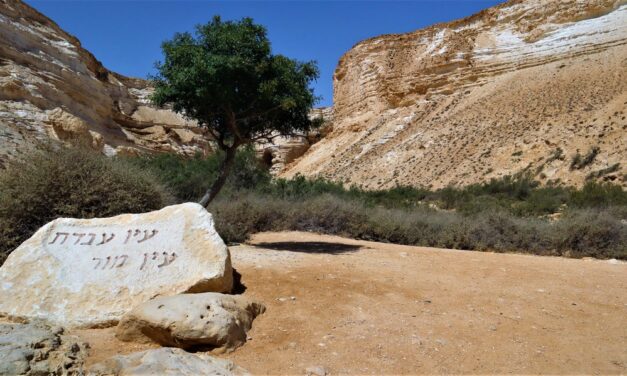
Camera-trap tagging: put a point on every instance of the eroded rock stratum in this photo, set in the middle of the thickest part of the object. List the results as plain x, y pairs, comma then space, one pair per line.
51, 87
522, 86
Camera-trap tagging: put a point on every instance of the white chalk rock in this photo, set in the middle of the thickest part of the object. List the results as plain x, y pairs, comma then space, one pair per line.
210, 320
90, 272
166, 361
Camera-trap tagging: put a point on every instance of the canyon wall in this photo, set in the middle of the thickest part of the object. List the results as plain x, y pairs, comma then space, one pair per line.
536, 86
51, 87
283, 150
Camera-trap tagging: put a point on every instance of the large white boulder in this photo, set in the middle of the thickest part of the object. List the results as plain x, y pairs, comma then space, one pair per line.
209, 320
90, 272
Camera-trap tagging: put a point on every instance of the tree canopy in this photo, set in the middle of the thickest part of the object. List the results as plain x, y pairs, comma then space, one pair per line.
226, 77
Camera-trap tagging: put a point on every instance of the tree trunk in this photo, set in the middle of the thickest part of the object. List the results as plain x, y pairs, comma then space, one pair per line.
225, 169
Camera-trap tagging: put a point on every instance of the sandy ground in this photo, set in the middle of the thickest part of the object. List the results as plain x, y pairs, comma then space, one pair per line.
357, 307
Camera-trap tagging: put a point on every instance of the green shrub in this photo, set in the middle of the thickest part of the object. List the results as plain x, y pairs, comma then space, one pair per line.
502, 215
598, 195
558, 154
60, 182
189, 178
592, 233
499, 215
300, 187
581, 233
602, 172
578, 162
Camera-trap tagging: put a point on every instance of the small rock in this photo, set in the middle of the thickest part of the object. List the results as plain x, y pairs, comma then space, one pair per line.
316, 371
188, 320
166, 361
37, 349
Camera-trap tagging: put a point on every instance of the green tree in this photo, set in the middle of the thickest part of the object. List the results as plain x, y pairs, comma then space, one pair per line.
227, 79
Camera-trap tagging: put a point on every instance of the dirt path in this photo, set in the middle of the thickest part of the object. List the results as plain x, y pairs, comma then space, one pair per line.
358, 307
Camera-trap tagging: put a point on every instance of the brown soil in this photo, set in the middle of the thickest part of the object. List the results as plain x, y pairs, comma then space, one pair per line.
357, 307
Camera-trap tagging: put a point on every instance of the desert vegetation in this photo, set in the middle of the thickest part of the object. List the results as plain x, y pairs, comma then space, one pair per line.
54, 182
226, 77
511, 214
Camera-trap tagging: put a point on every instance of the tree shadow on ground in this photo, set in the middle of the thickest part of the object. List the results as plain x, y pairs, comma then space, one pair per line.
310, 247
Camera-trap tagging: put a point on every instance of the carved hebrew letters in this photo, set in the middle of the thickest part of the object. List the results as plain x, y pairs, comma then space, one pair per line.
114, 264
104, 247
165, 259
104, 238
91, 240
107, 263
133, 234
65, 234
78, 237
146, 237
123, 257
136, 235
144, 263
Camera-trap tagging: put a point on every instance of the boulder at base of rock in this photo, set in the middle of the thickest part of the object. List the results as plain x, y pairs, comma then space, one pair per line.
166, 361
210, 320
37, 349
90, 272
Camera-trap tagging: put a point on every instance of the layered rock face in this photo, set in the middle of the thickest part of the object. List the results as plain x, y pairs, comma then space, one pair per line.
524, 86
51, 87
283, 150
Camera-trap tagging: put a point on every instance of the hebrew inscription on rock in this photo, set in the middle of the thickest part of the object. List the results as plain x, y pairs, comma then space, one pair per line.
141, 248
79, 272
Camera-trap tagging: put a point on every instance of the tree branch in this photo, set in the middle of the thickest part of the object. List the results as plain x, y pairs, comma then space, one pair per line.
232, 124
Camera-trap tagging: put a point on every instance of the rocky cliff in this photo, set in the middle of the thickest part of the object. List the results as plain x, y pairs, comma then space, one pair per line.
534, 85
51, 87
283, 150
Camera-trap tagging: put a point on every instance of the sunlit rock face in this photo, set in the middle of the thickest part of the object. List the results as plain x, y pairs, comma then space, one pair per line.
279, 152
524, 86
46, 76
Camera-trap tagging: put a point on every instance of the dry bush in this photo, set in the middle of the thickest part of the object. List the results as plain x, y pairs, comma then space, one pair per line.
581, 232
54, 182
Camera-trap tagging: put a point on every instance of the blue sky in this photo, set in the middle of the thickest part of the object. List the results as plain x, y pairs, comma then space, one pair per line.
126, 35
